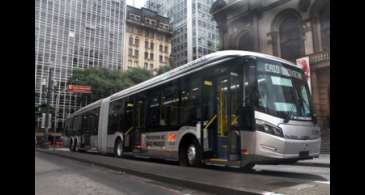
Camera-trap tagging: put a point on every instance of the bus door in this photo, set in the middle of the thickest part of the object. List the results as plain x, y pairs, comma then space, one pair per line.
228, 95
222, 96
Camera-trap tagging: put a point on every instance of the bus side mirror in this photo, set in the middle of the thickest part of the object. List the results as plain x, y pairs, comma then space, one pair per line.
247, 115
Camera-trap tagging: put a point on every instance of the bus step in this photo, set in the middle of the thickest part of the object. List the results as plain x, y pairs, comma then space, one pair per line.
217, 161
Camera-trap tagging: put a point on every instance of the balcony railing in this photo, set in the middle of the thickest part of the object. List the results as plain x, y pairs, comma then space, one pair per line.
318, 57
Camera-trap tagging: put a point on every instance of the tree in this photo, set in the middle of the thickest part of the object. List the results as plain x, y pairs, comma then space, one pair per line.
105, 82
164, 69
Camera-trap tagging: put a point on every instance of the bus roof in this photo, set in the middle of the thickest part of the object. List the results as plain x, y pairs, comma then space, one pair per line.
200, 63
87, 107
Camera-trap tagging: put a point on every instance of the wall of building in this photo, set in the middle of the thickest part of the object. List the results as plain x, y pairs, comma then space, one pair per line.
140, 60
146, 32
75, 35
194, 30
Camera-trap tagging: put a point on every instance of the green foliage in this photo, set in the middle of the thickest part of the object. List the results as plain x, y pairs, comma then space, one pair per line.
105, 82
164, 69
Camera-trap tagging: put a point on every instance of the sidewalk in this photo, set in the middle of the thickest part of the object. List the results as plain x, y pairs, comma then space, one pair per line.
322, 161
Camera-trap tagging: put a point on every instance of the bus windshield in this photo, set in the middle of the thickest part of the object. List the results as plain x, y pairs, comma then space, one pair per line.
283, 91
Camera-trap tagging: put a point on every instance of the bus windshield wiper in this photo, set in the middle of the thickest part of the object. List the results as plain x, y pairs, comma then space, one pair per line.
289, 115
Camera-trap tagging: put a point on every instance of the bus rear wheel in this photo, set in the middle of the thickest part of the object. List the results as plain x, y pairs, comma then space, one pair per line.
118, 149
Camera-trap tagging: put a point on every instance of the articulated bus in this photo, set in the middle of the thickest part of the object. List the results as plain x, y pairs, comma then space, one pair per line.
228, 108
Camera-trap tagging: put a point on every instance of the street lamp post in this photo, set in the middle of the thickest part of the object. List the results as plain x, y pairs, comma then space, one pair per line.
45, 143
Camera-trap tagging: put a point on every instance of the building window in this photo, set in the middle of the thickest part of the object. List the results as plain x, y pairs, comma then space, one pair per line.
166, 49
146, 44
287, 35
161, 48
324, 20
291, 43
151, 45
130, 40
145, 55
151, 66
161, 59
136, 53
151, 56
136, 41
130, 52
145, 66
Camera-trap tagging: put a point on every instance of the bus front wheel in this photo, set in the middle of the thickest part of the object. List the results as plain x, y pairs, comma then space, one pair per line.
248, 167
191, 154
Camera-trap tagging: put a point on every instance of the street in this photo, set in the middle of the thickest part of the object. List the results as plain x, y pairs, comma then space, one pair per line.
57, 175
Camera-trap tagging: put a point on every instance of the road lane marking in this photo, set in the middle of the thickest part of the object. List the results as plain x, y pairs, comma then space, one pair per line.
323, 182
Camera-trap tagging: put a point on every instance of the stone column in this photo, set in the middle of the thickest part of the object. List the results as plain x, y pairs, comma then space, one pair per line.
308, 37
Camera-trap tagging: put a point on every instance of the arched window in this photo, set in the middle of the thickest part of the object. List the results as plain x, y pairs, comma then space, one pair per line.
246, 42
324, 20
290, 36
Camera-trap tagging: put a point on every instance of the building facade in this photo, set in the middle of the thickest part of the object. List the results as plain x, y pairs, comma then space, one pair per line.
148, 39
290, 29
74, 34
157, 5
194, 30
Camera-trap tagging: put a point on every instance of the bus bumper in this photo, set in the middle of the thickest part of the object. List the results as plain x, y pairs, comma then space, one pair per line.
269, 149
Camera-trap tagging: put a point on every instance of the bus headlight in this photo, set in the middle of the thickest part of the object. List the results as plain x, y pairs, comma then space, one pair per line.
270, 129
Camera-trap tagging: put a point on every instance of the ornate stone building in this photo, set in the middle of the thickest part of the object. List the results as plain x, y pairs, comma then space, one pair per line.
148, 39
290, 29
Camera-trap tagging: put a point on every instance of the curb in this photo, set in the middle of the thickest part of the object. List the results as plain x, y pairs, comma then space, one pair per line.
181, 182
313, 164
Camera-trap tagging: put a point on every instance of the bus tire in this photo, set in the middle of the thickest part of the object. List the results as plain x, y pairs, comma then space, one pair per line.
248, 167
118, 148
191, 154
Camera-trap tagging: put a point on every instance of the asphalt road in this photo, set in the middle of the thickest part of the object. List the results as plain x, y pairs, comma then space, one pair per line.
56, 175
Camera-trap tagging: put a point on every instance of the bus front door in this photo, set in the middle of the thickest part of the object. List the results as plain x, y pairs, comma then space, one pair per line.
228, 95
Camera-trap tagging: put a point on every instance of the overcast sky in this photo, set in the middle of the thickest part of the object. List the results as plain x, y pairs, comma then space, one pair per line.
136, 3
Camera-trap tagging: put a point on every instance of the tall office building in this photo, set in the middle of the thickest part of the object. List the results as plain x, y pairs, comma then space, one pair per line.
157, 5
194, 30
75, 34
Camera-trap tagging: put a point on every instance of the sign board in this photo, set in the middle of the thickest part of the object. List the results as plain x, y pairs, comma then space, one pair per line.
79, 89
304, 64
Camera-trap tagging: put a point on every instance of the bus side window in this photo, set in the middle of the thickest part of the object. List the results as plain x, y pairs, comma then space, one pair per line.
128, 108
153, 109
113, 122
139, 114
170, 105
190, 98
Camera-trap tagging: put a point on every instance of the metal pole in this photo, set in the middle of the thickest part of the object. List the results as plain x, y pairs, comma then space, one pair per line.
45, 143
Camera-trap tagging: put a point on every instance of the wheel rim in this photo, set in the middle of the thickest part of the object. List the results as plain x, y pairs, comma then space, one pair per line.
119, 149
191, 154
